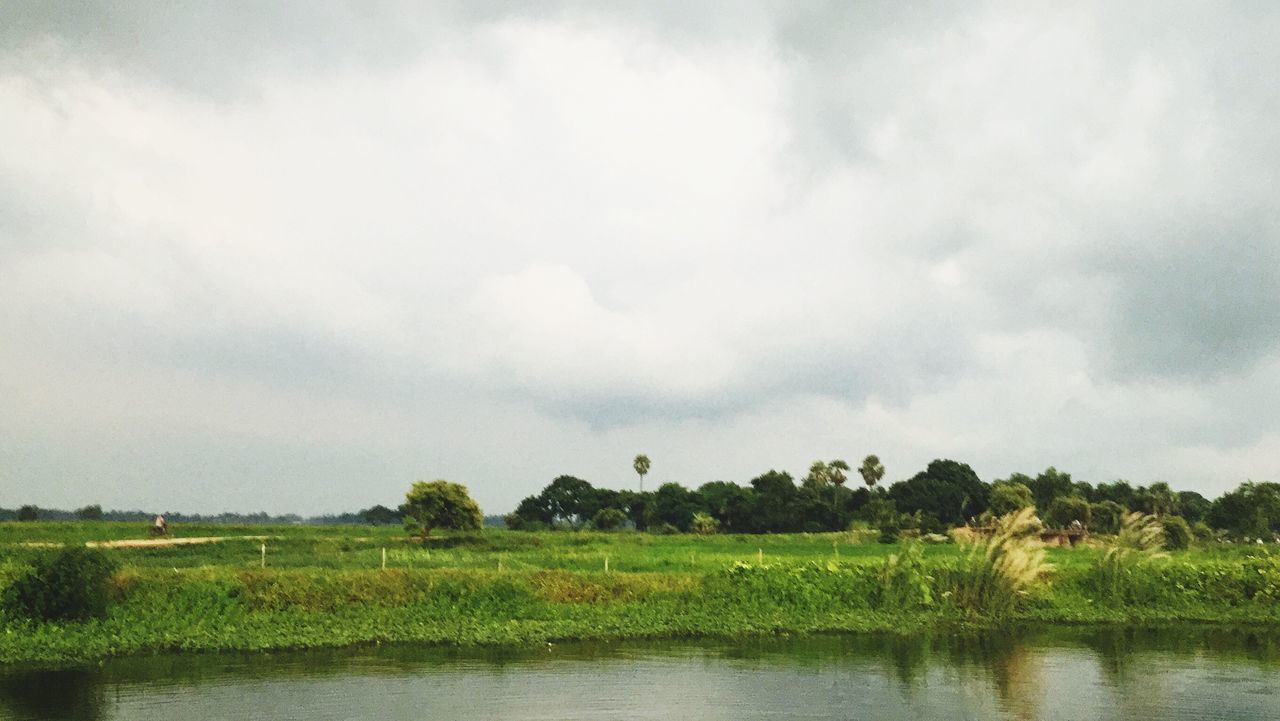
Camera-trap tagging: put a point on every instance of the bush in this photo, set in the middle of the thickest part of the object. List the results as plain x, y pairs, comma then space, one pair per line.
1106, 517
68, 585
704, 524
1177, 534
890, 530
608, 519
1066, 510
664, 529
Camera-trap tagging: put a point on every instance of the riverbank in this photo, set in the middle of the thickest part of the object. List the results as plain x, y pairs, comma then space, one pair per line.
219, 609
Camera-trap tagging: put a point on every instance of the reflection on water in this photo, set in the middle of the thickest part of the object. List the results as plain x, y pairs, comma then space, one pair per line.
1045, 674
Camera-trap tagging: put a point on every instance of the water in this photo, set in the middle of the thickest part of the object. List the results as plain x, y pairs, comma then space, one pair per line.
1046, 674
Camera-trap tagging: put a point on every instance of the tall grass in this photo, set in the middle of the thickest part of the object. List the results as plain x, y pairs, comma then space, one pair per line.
1120, 574
1000, 570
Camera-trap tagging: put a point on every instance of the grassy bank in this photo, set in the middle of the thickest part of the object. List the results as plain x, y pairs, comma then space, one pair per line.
325, 587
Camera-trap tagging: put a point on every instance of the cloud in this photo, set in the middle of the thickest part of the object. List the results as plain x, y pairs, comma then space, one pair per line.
294, 246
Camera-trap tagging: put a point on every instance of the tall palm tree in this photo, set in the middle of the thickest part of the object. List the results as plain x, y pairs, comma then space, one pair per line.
836, 473
871, 470
641, 465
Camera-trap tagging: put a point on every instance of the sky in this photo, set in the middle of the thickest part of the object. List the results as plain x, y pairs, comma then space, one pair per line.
292, 257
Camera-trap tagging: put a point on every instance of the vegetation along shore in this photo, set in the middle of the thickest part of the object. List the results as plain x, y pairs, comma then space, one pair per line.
72, 591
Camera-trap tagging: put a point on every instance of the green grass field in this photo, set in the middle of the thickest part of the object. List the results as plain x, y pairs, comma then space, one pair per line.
324, 586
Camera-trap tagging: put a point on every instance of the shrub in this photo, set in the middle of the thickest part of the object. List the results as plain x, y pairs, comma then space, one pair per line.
664, 529
1177, 534
1066, 510
67, 585
890, 530
904, 583
704, 524
608, 519
1119, 571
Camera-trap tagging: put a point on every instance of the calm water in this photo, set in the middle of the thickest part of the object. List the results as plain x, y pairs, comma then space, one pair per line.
1184, 674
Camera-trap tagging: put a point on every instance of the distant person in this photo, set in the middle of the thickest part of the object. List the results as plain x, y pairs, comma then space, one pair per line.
159, 527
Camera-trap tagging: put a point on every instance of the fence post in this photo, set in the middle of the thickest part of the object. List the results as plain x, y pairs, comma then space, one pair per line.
264, 554
760, 556
606, 563
384, 559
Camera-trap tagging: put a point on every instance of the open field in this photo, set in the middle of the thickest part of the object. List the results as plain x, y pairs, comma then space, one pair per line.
324, 586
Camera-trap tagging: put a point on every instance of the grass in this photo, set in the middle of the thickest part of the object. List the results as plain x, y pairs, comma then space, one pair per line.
323, 586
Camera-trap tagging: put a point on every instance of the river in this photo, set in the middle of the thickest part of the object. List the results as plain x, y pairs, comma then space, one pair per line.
1073, 674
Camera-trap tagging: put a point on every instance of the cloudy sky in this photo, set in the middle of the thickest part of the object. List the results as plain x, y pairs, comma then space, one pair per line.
293, 258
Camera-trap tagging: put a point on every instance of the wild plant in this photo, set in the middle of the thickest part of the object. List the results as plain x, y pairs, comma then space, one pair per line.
1116, 574
904, 582
1001, 569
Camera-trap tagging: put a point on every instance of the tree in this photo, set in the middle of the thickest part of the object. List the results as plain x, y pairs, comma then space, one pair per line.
871, 470
1177, 534
569, 500
1158, 499
1193, 506
441, 504
948, 489
675, 505
1049, 485
1009, 496
28, 513
641, 466
1066, 510
1106, 517
90, 513
380, 516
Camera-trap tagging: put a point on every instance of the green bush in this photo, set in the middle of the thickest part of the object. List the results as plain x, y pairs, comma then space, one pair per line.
608, 519
1177, 534
67, 585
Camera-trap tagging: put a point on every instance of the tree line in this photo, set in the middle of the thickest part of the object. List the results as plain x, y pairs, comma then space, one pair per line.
945, 494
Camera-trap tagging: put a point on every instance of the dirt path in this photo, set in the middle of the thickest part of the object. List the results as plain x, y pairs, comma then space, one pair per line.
149, 542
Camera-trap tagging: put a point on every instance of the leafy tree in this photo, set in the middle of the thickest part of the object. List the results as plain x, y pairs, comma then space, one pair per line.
1050, 485
441, 504
608, 519
1193, 506
1158, 499
948, 489
674, 504
775, 501
1106, 517
1009, 496
28, 513
569, 500
871, 470
533, 512
89, 513
1120, 492
1252, 509
641, 466
380, 516
1066, 510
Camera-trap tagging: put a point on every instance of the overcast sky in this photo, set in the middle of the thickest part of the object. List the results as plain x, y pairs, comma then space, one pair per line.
294, 258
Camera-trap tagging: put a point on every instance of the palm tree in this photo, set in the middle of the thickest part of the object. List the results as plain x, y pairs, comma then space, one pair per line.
836, 474
871, 470
641, 464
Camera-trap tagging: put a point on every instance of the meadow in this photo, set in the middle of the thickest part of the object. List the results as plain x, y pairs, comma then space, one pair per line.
326, 586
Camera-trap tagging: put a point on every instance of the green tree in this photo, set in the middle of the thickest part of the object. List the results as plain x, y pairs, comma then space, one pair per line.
1177, 534
1009, 496
28, 513
1050, 485
1158, 499
1066, 510
90, 513
948, 489
1106, 517
871, 470
641, 466
441, 504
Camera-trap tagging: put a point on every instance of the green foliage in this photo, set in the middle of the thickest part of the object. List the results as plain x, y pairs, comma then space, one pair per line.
69, 584
1105, 517
1177, 533
1125, 565
89, 513
1049, 486
871, 470
1066, 510
904, 580
641, 465
441, 504
948, 489
704, 524
608, 519
1009, 497
28, 513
